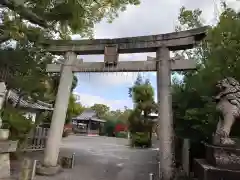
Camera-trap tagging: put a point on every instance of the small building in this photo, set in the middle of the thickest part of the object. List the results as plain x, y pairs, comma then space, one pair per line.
88, 123
31, 109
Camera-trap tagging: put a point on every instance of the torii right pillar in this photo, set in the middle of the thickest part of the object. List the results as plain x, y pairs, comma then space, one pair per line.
165, 120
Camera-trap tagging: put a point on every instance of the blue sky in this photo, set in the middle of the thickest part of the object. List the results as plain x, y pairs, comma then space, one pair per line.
113, 94
151, 17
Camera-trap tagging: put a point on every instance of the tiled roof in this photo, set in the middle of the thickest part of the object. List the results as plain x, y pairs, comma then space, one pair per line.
88, 114
13, 96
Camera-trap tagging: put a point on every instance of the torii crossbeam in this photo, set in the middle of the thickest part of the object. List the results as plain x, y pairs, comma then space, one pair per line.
123, 66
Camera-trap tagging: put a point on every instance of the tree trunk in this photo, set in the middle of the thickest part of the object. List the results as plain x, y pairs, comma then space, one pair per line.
151, 133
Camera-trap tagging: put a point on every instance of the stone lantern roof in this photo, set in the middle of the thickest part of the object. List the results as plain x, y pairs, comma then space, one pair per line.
38, 105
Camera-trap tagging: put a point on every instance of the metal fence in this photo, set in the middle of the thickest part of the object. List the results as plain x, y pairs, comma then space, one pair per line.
37, 139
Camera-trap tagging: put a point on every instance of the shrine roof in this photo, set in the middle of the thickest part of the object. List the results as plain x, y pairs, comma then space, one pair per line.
87, 115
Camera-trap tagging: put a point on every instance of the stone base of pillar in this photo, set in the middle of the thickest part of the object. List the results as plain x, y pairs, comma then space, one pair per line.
6, 146
48, 170
4, 166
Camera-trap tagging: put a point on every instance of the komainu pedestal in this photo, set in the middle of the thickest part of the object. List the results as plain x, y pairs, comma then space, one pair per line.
225, 157
221, 163
204, 171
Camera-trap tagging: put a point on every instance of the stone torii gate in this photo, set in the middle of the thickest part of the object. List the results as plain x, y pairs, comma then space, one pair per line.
161, 44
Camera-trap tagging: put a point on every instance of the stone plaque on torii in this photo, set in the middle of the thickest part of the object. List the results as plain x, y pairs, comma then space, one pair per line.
161, 44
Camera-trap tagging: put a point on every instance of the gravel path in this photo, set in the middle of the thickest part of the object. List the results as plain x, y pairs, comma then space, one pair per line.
104, 158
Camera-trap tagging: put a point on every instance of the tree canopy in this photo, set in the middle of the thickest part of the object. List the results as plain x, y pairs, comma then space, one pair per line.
65, 17
218, 57
29, 22
142, 95
100, 109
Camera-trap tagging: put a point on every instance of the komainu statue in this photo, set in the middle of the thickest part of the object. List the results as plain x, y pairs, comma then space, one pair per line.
228, 104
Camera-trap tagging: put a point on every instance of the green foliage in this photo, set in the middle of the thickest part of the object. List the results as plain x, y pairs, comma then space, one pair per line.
74, 16
141, 139
189, 19
115, 117
24, 70
19, 125
100, 109
109, 128
74, 109
74, 83
120, 115
142, 94
121, 134
23, 67
218, 57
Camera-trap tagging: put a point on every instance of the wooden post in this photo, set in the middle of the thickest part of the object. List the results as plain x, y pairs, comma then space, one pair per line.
165, 113
73, 161
25, 169
34, 169
186, 156
150, 176
89, 127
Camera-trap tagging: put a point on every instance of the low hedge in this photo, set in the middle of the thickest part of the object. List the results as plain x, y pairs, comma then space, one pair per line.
141, 139
121, 134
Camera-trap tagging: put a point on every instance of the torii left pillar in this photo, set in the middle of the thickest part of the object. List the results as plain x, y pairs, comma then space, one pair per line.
59, 113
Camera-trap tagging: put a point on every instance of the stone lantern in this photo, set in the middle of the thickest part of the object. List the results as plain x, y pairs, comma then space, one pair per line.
6, 146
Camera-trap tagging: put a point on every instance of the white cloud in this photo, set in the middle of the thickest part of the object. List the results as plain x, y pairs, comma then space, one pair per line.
151, 17
234, 4
108, 79
104, 80
89, 100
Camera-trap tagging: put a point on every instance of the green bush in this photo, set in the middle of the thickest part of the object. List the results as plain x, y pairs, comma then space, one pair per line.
141, 139
17, 123
121, 134
109, 128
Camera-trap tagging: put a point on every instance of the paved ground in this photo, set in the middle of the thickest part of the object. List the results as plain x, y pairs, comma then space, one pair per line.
104, 158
